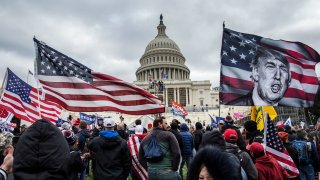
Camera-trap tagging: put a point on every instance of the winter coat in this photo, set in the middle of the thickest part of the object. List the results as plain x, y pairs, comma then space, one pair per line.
83, 135
41, 153
197, 139
268, 168
76, 165
187, 140
245, 161
178, 136
113, 159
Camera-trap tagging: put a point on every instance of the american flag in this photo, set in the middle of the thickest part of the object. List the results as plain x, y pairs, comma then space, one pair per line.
78, 88
276, 149
177, 109
134, 145
238, 50
24, 101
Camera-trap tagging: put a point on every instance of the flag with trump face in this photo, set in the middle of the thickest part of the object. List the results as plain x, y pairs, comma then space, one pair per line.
260, 71
78, 88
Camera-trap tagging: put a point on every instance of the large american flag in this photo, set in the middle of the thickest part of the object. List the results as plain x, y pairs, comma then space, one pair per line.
78, 88
276, 149
238, 50
24, 101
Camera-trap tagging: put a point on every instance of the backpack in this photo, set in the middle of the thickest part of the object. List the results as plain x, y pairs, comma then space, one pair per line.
303, 151
153, 152
243, 172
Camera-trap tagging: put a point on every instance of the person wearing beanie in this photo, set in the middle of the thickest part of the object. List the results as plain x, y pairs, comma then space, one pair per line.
134, 144
229, 125
292, 151
75, 125
231, 137
307, 155
113, 160
268, 167
187, 147
197, 135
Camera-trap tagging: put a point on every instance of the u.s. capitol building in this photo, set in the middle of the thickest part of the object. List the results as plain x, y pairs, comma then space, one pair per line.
163, 72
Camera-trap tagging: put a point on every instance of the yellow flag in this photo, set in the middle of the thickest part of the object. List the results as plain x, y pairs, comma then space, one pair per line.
259, 118
253, 113
271, 111
258, 115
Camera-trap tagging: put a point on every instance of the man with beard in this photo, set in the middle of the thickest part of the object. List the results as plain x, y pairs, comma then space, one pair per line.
271, 77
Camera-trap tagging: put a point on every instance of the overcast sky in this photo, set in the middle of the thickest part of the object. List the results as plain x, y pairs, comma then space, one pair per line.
110, 36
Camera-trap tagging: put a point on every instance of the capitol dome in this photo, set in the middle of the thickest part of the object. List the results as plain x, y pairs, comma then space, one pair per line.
162, 59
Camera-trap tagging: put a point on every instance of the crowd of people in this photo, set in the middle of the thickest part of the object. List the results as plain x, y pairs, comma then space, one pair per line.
161, 151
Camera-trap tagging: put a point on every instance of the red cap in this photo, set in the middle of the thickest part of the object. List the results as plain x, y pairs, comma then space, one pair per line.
230, 135
77, 122
283, 136
255, 148
149, 126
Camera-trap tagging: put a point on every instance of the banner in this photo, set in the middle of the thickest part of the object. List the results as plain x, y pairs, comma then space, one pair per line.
258, 114
89, 119
257, 71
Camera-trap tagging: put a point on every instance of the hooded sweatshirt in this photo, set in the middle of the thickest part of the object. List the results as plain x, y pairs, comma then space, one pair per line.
112, 155
41, 153
269, 168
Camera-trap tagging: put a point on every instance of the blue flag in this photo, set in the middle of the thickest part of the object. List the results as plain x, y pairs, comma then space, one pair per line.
89, 119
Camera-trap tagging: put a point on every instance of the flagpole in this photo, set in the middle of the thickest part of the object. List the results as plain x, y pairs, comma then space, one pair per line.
3, 82
223, 26
36, 55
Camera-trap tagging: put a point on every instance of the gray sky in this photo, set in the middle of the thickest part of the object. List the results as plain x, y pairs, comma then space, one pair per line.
110, 36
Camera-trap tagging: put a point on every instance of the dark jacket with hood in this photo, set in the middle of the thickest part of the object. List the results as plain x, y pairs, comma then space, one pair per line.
245, 161
187, 140
83, 135
41, 153
113, 159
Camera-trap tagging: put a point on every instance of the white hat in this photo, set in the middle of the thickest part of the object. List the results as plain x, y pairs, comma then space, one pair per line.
108, 122
65, 126
138, 129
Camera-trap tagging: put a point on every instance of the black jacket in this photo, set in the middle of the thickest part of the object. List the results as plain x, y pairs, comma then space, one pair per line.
76, 164
112, 155
41, 153
83, 135
178, 136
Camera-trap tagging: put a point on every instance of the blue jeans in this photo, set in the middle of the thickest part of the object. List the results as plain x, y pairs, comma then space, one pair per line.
306, 172
185, 159
163, 174
83, 174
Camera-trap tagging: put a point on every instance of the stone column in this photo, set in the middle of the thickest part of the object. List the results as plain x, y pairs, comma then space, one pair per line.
174, 94
169, 76
187, 101
167, 104
190, 96
159, 69
178, 95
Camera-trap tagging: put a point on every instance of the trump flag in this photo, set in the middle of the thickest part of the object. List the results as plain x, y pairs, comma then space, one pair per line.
257, 71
